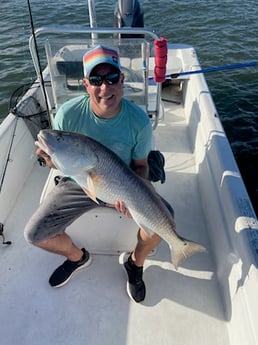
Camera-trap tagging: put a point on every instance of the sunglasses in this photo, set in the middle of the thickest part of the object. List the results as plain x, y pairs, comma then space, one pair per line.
110, 79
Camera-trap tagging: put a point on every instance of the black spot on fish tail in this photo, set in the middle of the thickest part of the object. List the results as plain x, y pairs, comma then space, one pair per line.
183, 251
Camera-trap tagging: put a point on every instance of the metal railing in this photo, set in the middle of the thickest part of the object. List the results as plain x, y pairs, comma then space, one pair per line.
61, 30
94, 32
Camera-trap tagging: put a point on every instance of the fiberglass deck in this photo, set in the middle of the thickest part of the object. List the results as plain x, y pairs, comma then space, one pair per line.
182, 307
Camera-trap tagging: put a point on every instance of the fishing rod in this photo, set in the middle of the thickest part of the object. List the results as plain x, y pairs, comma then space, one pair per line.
209, 70
41, 78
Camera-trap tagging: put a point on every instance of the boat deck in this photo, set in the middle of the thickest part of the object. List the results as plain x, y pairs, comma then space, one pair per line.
182, 307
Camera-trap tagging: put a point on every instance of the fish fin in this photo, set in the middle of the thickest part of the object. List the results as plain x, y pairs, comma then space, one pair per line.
184, 250
92, 196
91, 189
87, 186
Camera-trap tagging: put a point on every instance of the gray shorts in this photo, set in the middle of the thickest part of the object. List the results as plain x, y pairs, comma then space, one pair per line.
62, 206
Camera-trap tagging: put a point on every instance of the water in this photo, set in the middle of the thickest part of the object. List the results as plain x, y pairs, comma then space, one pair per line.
223, 32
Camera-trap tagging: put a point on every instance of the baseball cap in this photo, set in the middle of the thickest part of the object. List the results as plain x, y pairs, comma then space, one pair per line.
98, 55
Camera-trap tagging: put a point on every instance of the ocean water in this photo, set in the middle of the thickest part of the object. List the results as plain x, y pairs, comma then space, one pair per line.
223, 32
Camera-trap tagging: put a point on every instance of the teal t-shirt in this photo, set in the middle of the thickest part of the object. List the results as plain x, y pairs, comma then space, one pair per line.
128, 134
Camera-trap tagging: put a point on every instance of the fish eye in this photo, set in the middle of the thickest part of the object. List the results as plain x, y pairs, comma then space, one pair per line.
59, 138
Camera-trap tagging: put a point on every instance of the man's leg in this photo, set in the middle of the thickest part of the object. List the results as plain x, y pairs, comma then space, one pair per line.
61, 244
134, 263
145, 245
46, 228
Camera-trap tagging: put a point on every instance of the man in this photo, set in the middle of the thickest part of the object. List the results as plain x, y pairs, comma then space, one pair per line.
123, 127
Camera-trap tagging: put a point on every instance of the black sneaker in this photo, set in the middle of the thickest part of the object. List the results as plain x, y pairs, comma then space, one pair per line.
64, 273
135, 285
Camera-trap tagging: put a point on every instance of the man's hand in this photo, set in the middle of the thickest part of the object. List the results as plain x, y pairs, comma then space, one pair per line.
46, 157
120, 207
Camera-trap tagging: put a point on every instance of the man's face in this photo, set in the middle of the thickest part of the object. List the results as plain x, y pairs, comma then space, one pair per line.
106, 98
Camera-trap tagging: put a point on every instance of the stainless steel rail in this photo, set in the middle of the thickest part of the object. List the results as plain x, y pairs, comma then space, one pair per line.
81, 30
63, 30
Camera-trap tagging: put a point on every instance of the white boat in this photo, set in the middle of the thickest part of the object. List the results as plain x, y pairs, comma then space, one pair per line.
212, 298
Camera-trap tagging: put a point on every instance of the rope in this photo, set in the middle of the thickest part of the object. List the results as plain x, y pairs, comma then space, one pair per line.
161, 50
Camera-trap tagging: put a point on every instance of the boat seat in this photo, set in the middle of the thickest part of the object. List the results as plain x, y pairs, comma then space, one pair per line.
102, 230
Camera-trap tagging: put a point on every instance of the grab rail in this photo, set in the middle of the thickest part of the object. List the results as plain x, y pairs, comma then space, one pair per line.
81, 30
92, 31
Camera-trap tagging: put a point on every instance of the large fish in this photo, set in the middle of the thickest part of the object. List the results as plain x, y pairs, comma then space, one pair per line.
103, 175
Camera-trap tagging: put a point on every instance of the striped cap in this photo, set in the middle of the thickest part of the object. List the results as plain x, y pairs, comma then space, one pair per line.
98, 55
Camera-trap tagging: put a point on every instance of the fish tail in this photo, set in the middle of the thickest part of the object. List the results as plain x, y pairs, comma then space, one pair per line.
183, 250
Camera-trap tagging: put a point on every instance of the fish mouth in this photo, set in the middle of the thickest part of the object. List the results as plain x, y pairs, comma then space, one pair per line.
43, 144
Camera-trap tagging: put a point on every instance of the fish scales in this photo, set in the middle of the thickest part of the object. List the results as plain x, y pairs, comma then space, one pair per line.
116, 183
103, 175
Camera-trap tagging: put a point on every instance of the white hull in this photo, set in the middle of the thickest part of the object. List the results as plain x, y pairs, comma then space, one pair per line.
211, 299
